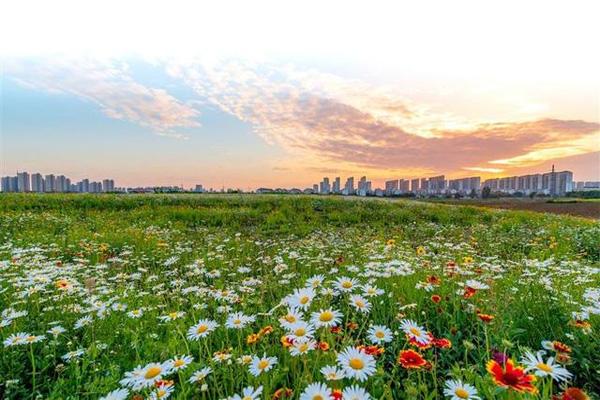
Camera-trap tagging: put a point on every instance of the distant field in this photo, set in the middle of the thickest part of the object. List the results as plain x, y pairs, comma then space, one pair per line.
293, 297
578, 207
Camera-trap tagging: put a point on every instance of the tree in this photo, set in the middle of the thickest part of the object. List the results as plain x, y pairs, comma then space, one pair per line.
485, 193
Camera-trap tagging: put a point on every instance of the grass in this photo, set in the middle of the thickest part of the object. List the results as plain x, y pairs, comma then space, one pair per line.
66, 260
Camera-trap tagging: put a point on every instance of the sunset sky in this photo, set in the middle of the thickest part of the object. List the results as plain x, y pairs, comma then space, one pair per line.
249, 94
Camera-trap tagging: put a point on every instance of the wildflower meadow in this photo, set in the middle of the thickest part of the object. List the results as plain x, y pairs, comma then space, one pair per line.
294, 297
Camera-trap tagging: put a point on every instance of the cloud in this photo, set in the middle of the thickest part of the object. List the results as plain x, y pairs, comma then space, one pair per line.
108, 85
352, 122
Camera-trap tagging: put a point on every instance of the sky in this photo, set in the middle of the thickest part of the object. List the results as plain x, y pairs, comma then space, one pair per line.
279, 94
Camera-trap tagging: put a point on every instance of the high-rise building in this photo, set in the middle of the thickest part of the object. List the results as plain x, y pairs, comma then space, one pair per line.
49, 182
349, 186
315, 188
424, 185
404, 185
37, 183
23, 182
391, 187
414, 185
324, 187
336, 185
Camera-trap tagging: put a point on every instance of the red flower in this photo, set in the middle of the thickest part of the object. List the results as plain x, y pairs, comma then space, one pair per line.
469, 292
574, 393
336, 329
324, 346
372, 350
485, 317
511, 377
442, 343
434, 280
422, 346
410, 359
436, 298
336, 394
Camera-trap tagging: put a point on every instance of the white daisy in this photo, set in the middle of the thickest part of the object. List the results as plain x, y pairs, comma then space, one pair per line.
290, 318
326, 318
261, 364
301, 331
118, 394
360, 303
535, 362
457, 390
316, 391
238, 320
355, 392
179, 363
380, 334
200, 375
249, 393
415, 331
302, 347
301, 298
345, 285
356, 364
201, 329
332, 373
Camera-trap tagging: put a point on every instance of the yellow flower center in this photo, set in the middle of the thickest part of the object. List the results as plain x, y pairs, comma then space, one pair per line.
379, 334
246, 398
326, 316
303, 347
161, 393
300, 332
202, 328
179, 363
290, 318
262, 364
462, 393
356, 363
318, 397
346, 284
304, 299
544, 367
153, 372
359, 303
415, 331
237, 321
173, 315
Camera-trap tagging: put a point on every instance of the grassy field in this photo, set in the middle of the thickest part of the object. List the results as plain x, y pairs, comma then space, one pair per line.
248, 297
587, 208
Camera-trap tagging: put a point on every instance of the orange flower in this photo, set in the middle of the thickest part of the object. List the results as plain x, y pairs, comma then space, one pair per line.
324, 346
352, 325
442, 343
282, 393
485, 317
511, 377
252, 338
286, 342
434, 280
469, 292
410, 359
581, 324
436, 298
372, 350
336, 329
574, 393
561, 347
266, 330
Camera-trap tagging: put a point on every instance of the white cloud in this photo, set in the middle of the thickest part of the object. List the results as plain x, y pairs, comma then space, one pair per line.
108, 85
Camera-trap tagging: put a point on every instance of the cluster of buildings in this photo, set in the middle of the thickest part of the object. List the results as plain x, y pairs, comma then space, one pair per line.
38, 183
551, 183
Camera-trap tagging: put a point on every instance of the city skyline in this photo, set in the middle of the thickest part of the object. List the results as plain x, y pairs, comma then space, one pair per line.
393, 98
